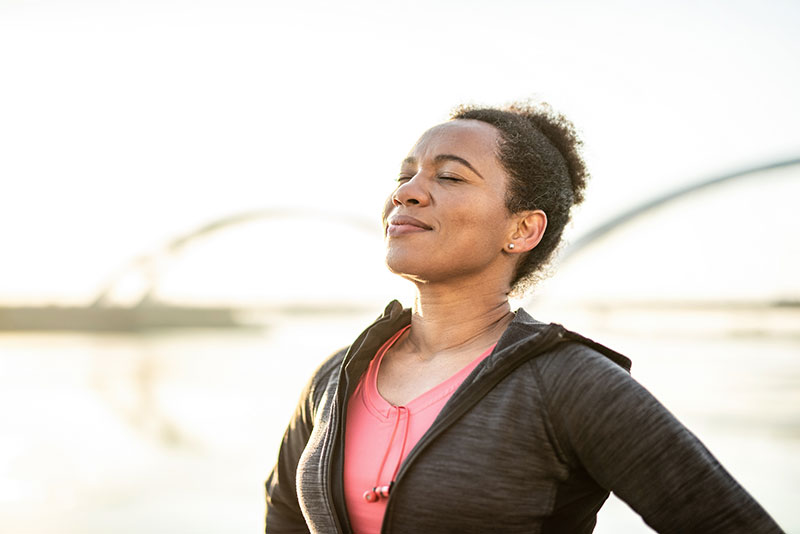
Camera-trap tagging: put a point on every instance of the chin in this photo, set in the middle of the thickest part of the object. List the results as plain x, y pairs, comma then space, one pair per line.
411, 268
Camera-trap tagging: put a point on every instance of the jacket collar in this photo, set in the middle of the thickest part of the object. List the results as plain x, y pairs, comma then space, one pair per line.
521, 328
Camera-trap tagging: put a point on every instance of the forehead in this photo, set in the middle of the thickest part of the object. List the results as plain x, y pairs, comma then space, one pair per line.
467, 138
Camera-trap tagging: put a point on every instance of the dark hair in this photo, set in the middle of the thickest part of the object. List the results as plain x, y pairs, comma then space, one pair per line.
540, 151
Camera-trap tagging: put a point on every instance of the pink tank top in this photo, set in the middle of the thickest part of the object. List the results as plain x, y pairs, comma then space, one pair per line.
379, 436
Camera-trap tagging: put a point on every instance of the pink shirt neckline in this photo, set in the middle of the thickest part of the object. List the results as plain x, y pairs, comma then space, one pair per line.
383, 409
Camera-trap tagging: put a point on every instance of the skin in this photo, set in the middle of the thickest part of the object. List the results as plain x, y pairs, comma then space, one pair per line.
453, 185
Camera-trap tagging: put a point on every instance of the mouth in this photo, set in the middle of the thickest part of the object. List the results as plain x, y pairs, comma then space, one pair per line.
403, 224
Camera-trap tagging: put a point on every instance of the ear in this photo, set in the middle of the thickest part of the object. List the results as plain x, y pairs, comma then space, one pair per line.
528, 232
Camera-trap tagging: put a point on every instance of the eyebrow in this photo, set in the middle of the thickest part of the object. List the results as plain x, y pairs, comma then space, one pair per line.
447, 157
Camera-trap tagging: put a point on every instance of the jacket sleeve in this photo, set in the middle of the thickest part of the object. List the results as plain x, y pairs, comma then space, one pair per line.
608, 424
283, 510
284, 515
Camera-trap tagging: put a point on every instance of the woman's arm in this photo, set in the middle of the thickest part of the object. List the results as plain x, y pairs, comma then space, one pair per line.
284, 515
610, 425
283, 509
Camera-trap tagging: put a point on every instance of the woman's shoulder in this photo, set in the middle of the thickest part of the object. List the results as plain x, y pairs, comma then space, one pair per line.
327, 370
567, 349
577, 355
575, 367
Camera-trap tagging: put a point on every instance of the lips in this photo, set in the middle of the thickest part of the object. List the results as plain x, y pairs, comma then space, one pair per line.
403, 224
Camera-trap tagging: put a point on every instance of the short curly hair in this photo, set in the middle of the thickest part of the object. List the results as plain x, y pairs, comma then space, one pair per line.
540, 151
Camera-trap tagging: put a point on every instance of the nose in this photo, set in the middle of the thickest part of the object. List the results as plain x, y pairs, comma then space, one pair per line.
411, 193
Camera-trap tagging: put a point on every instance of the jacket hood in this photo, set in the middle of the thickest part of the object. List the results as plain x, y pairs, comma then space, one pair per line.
524, 330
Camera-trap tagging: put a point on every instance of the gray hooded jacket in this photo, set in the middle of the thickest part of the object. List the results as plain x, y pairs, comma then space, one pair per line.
532, 441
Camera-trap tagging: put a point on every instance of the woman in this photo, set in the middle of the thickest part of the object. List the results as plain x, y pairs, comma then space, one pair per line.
463, 416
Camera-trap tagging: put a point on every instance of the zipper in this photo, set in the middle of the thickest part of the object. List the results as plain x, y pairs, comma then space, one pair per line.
550, 338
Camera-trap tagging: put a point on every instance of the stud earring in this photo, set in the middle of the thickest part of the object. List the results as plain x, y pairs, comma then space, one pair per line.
510, 246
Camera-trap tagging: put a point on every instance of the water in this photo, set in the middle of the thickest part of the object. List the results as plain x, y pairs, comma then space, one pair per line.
176, 432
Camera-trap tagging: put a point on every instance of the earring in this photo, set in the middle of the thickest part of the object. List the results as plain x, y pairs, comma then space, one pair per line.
510, 246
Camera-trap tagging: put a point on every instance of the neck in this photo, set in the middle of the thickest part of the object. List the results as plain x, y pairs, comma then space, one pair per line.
450, 319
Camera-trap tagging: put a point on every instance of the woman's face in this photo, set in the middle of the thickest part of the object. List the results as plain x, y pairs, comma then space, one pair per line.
447, 217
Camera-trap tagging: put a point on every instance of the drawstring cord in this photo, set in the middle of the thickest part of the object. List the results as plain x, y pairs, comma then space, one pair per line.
377, 492
405, 439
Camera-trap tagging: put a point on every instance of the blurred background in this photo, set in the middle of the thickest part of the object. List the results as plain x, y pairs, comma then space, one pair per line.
189, 225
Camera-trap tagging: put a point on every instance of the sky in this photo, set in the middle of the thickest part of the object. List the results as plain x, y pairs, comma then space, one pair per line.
126, 124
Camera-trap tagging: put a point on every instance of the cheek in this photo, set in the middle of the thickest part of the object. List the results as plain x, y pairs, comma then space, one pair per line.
387, 209
484, 224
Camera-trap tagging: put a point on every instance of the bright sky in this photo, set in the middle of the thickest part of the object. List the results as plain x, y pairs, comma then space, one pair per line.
125, 124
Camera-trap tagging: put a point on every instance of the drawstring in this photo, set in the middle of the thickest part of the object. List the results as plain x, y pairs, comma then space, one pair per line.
377, 492
389, 446
405, 438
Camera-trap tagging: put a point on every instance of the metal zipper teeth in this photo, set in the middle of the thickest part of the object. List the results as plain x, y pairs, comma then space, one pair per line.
337, 438
554, 335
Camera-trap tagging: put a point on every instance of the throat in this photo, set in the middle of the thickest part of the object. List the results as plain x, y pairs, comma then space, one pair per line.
428, 339
404, 376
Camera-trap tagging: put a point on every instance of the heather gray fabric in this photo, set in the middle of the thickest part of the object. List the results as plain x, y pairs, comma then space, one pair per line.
532, 441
